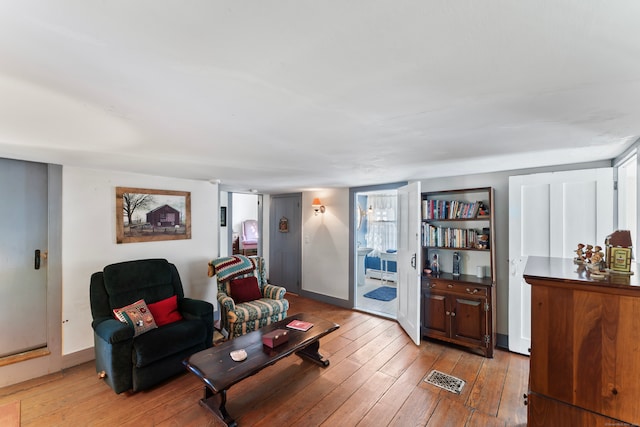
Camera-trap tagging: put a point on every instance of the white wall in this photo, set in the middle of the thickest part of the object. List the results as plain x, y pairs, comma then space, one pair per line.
245, 206
500, 182
325, 267
325, 247
89, 241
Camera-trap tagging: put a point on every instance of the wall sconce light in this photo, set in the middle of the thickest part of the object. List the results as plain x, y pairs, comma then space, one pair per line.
317, 206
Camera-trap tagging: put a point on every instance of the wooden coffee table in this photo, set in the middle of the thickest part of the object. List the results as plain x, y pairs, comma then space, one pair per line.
218, 371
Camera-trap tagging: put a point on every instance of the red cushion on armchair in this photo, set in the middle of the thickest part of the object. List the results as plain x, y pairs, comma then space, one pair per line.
165, 311
245, 289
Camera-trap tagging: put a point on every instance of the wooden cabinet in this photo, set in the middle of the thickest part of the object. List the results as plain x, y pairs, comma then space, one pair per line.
459, 308
585, 341
545, 412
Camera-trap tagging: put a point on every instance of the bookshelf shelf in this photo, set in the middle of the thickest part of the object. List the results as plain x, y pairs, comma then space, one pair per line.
429, 221
459, 308
449, 248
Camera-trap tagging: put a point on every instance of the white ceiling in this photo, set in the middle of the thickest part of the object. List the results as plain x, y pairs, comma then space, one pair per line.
290, 95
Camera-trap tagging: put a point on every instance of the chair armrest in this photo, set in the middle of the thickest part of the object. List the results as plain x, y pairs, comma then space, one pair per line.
112, 330
195, 307
226, 301
273, 291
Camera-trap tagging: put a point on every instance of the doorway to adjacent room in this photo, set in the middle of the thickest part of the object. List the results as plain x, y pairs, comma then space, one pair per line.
241, 224
375, 246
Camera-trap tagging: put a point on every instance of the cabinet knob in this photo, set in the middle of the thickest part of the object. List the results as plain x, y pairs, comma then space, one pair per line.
448, 313
449, 286
475, 291
433, 285
453, 314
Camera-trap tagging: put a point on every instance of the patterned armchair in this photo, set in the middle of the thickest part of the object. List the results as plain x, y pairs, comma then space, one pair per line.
239, 318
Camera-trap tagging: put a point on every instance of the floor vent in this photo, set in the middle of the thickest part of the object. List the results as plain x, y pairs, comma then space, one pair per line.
447, 382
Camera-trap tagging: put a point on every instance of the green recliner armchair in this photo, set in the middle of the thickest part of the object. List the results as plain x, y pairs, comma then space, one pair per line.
130, 362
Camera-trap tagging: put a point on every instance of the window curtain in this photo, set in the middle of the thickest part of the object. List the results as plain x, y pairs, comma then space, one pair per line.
381, 230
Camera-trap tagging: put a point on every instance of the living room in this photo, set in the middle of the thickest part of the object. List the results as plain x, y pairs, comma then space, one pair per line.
83, 225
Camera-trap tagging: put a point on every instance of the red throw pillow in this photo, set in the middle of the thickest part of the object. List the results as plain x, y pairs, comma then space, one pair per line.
245, 289
165, 311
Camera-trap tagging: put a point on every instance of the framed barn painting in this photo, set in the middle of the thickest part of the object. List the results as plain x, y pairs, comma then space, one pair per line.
144, 215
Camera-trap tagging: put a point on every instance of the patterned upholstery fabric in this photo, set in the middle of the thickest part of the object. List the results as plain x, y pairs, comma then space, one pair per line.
233, 266
239, 319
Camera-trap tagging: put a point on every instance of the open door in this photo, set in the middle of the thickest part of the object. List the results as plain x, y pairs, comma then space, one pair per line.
409, 260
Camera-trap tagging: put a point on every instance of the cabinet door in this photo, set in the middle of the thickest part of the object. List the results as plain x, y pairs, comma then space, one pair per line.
584, 350
468, 319
627, 382
544, 412
435, 317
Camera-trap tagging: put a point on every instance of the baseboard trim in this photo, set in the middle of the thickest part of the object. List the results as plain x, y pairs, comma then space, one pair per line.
78, 358
502, 341
26, 355
326, 299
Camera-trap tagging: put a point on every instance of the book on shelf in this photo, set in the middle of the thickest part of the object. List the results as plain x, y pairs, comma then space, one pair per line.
300, 325
445, 237
433, 209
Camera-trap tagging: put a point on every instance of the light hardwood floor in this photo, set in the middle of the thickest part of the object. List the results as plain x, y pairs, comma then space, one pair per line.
375, 379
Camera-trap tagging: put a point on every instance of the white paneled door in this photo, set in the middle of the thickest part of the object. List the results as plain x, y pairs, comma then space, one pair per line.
549, 214
409, 261
23, 280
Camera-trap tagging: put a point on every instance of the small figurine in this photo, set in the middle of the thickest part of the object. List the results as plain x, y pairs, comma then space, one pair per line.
598, 257
435, 267
596, 264
482, 210
579, 259
588, 253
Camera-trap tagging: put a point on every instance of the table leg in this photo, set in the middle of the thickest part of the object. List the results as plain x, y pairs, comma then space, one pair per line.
216, 404
311, 352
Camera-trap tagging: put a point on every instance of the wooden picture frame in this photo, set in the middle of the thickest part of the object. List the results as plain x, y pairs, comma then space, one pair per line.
620, 259
149, 215
283, 225
223, 216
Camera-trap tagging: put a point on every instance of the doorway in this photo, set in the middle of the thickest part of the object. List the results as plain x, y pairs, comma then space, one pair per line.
285, 242
23, 187
241, 219
375, 257
32, 295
